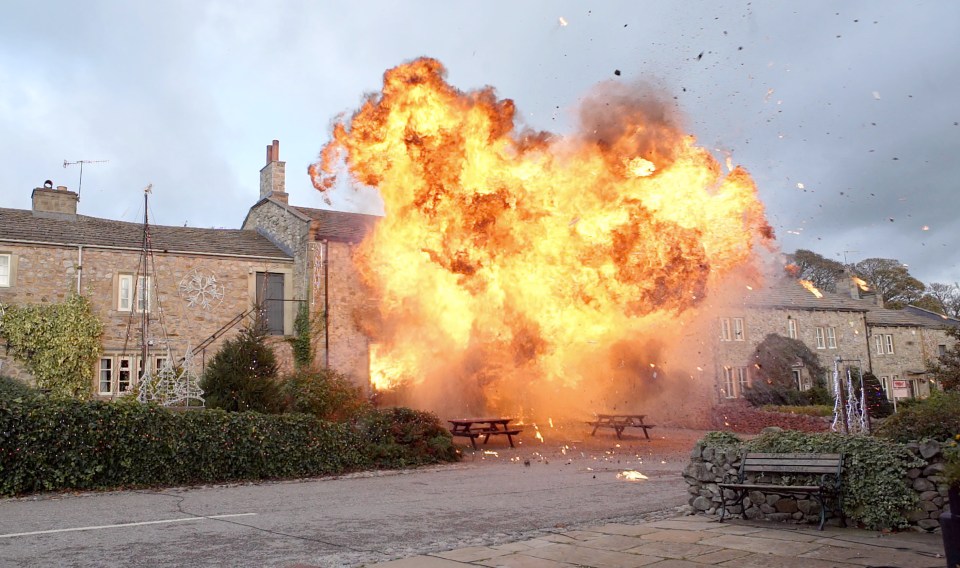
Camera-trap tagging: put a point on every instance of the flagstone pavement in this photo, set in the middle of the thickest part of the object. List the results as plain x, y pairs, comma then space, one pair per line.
696, 542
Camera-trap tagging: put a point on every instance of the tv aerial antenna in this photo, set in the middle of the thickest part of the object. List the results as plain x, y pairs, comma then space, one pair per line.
82, 162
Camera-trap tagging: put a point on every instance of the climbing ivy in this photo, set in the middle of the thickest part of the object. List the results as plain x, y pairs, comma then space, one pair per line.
59, 342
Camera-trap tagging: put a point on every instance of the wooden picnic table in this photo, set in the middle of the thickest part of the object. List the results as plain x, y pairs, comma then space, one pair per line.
475, 427
620, 422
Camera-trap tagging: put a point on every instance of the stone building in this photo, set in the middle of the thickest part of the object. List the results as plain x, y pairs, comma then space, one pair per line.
895, 345
321, 243
194, 292
201, 284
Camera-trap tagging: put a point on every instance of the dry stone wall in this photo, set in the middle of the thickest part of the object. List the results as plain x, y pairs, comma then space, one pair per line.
710, 466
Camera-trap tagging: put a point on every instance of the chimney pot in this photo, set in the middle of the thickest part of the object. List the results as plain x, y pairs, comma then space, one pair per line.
61, 188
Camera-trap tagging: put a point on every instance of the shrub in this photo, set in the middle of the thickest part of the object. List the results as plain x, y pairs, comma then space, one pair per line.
806, 410
242, 375
773, 382
878, 404
54, 444
12, 389
936, 417
404, 437
324, 393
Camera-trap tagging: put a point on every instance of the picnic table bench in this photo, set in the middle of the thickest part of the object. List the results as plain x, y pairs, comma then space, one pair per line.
782, 469
473, 428
620, 422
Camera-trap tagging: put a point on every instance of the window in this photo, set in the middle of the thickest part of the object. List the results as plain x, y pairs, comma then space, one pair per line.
743, 380
5, 263
725, 334
886, 388
798, 379
821, 339
124, 374
792, 328
106, 375
270, 298
942, 349
889, 339
126, 295
159, 363
878, 340
728, 385
738, 329
831, 338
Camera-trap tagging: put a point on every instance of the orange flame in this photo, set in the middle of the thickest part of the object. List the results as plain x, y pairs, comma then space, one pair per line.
513, 261
861, 283
811, 288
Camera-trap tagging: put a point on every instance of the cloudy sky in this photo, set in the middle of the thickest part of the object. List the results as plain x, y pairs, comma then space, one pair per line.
846, 114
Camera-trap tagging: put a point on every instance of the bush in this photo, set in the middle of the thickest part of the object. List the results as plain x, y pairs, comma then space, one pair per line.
936, 417
404, 437
878, 404
12, 389
806, 410
51, 444
875, 488
242, 375
324, 393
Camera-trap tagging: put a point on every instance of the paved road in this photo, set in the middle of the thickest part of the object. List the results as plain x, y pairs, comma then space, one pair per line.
349, 521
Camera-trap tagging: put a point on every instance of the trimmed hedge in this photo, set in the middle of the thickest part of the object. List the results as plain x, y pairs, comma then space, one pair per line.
50, 444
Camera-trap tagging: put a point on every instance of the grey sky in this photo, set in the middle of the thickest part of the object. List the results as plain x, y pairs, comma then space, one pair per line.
856, 101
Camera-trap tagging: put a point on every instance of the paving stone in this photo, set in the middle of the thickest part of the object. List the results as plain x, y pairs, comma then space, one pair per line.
422, 562
733, 529
582, 535
785, 535
591, 557
721, 555
673, 549
674, 563
626, 530
522, 561
678, 525
770, 561
471, 554
761, 545
676, 536
613, 542
863, 557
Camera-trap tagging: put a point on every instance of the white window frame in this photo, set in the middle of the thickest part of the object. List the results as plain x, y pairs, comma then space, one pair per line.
886, 388
729, 390
831, 338
889, 339
878, 342
124, 292
725, 333
798, 378
821, 339
743, 380
738, 334
105, 371
158, 363
792, 328
143, 293
6, 271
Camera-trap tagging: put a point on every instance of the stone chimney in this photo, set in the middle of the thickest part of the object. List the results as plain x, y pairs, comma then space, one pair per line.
272, 176
56, 203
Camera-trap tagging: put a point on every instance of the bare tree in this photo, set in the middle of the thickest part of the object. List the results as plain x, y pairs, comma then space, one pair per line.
891, 279
823, 272
948, 297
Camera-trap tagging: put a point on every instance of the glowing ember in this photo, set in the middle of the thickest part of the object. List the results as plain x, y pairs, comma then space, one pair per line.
811, 288
861, 283
515, 269
631, 475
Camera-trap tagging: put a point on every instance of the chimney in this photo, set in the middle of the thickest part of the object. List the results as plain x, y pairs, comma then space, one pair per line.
53, 203
272, 176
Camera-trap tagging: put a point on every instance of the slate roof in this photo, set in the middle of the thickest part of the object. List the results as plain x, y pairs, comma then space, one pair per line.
19, 224
790, 294
339, 225
933, 318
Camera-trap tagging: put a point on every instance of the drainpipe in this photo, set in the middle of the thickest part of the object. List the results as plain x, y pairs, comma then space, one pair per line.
324, 255
79, 266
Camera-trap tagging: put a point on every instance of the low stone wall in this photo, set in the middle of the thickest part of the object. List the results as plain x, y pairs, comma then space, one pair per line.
709, 466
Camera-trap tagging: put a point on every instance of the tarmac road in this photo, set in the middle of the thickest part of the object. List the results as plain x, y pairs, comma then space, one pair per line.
493, 496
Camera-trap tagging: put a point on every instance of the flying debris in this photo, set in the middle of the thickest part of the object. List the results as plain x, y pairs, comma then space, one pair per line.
563, 21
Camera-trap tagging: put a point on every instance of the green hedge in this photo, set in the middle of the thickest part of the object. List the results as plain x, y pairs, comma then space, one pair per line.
50, 444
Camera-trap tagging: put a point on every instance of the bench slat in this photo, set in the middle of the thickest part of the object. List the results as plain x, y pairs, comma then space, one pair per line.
771, 468
795, 456
768, 487
798, 463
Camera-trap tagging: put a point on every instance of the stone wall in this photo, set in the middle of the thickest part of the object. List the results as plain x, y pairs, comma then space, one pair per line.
347, 296
290, 233
709, 466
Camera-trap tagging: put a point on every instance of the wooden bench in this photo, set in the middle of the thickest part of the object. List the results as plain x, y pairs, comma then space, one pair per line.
620, 422
820, 479
473, 428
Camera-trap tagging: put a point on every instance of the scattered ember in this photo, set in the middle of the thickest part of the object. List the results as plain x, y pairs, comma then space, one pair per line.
631, 475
